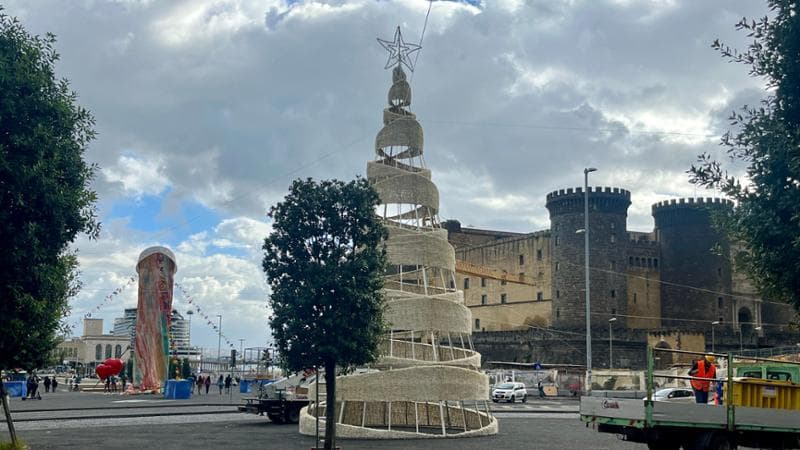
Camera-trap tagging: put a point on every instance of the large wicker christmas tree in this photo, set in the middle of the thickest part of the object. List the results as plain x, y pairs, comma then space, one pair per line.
428, 384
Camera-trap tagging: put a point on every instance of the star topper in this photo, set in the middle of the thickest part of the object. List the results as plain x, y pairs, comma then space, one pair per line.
399, 51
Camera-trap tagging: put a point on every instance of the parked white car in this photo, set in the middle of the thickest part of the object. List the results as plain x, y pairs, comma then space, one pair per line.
680, 395
510, 392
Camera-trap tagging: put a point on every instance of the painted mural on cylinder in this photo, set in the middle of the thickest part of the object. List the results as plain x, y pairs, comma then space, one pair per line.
156, 269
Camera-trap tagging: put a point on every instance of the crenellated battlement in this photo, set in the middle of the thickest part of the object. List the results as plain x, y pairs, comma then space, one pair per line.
699, 202
603, 199
592, 191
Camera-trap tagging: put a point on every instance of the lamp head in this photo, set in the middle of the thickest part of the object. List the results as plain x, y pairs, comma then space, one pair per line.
716, 322
589, 169
613, 319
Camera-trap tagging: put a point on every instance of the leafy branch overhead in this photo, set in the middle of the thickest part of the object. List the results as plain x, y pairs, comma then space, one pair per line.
766, 138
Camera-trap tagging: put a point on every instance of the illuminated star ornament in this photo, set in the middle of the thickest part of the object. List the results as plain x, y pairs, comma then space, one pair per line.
399, 51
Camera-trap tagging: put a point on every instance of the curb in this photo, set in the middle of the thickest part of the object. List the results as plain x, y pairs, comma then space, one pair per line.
121, 416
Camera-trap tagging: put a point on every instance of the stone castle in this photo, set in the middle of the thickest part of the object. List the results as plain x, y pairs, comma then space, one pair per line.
676, 280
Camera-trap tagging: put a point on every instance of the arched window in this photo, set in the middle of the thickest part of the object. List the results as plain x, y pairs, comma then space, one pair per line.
118, 351
98, 352
108, 350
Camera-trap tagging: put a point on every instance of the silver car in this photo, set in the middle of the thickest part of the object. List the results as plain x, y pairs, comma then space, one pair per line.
509, 392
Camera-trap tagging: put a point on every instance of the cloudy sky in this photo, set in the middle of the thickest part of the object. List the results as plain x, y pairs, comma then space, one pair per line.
207, 109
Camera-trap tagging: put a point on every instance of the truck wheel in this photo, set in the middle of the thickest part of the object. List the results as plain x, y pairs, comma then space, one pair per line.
717, 441
275, 418
663, 444
293, 415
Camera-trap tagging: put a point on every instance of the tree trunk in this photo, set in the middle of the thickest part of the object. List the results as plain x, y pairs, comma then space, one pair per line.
7, 412
330, 405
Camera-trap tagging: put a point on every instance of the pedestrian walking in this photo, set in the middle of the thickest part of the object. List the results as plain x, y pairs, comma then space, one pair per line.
46, 384
228, 381
108, 385
220, 383
207, 382
199, 384
541, 389
113, 384
54, 385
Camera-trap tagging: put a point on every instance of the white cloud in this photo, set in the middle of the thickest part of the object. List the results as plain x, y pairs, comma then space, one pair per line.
225, 102
138, 176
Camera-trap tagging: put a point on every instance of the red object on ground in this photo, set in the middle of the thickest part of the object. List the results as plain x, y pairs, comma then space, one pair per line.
103, 371
115, 364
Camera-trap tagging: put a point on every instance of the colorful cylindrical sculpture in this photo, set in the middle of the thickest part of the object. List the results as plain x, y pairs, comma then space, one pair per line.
156, 269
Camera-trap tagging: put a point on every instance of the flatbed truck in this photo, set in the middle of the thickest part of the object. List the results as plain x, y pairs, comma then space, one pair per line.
280, 401
670, 426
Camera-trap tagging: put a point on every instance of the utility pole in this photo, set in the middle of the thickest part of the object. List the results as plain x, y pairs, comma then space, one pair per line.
586, 172
219, 344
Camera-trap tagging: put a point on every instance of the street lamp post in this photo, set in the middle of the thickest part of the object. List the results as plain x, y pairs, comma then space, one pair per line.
190, 313
241, 355
713, 340
219, 344
611, 343
586, 258
741, 347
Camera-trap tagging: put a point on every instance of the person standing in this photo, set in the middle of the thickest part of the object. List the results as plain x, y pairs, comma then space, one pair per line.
54, 385
200, 383
124, 380
541, 388
220, 384
702, 368
113, 384
228, 381
108, 385
207, 382
46, 384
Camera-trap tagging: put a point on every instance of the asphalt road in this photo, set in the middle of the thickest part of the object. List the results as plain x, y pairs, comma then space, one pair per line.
517, 431
79, 420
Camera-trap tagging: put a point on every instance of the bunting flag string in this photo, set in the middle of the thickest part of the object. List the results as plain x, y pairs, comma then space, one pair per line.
106, 300
193, 304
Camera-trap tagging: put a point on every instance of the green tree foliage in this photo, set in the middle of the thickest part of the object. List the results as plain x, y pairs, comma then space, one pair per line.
766, 139
325, 263
45, 193
186, 369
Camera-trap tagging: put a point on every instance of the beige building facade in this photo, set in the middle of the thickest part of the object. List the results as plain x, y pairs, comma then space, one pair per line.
93, 346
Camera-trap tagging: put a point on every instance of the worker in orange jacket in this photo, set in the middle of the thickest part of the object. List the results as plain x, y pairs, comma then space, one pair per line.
702, 368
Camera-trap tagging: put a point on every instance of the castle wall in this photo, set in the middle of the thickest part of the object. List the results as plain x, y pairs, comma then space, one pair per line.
512, 316
695, 263
643, 283
607, 242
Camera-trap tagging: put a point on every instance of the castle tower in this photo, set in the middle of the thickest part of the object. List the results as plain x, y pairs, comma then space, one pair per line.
428, 384
695, 265
608, 212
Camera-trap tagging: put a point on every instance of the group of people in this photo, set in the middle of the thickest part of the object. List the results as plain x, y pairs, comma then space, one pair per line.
111, 383
205, 382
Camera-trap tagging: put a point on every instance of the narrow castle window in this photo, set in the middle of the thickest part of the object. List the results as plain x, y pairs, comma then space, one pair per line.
503, 298
556, 241
630, 260
655, 262
613, 293
634, 298
539, 255
483, 282
558, 313
483, 299
477, 324
521, 260
558, 293
539, 296
558, 266
719, 302
466, 283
